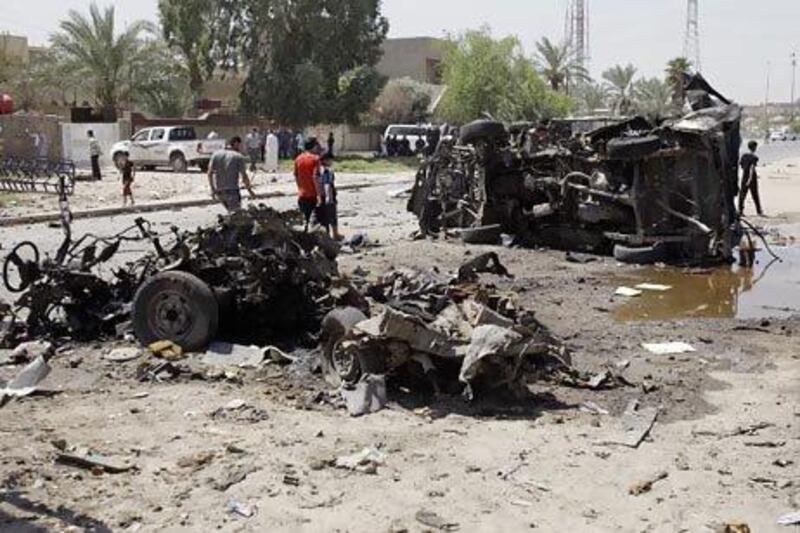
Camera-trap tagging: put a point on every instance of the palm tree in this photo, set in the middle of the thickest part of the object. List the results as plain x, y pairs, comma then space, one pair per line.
620, 83
592, 97
559, 65
92, 47
674, 72
652, 97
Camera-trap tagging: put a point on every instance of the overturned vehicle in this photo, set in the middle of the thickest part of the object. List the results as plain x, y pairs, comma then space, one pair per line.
645, 192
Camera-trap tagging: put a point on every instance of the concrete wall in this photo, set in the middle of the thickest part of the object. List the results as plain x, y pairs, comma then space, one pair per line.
416, 58
14, 48
17, 135
348, 138
76, 142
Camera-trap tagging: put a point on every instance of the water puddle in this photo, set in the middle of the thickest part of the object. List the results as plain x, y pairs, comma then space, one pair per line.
771, 290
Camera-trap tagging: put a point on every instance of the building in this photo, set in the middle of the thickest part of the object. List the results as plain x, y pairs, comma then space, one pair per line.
418, 58
14, 48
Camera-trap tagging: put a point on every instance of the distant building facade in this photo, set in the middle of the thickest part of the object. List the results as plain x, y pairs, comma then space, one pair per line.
418, 58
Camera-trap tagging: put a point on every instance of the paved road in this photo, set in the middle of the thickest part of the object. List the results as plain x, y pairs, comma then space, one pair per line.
777, 151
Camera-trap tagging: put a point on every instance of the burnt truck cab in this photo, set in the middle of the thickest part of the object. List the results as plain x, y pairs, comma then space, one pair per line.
642, 191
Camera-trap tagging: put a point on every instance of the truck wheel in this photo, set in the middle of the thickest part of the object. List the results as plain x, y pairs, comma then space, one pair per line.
178, 307
647, 255
634, 147
482, 130
118, 160
178, 163
338, 365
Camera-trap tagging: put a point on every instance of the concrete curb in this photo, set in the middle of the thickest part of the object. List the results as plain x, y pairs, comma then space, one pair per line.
161, 206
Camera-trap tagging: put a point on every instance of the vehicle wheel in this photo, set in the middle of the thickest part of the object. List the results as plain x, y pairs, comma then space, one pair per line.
24, 269
178, 307
339, 365
203, 166
633, 148
118, 160
647, 255
482, 234
482, 130
178, 163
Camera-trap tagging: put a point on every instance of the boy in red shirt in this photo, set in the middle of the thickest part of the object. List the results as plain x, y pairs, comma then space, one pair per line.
307, 175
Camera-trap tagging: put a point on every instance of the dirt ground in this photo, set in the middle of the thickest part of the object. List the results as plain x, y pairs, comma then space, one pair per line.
726, 437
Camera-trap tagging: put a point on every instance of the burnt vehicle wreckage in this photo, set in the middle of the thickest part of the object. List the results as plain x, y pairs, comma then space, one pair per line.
252, 279
643, 192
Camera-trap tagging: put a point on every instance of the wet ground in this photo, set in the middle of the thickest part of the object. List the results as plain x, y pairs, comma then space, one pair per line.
770, 290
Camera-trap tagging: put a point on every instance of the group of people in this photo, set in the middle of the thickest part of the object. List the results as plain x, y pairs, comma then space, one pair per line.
270, 146
313, 172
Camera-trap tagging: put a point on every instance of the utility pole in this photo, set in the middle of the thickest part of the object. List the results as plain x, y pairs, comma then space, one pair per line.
766, 104
793, 103
691, 42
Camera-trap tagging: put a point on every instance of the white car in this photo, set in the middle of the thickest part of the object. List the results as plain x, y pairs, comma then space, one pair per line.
777, 136
176, 147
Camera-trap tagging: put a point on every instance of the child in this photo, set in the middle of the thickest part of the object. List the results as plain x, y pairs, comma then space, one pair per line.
128, 173
329, 217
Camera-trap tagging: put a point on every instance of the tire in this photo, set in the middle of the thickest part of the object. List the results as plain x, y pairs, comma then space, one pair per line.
633, 148
203, 165
178, 307
118, 160
647, 255
482, 234
482, 130
178, 163
337, 366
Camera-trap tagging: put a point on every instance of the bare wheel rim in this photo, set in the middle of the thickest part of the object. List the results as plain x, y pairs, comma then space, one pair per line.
171, 315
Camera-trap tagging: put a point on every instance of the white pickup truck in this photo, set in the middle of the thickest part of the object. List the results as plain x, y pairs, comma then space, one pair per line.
175, 146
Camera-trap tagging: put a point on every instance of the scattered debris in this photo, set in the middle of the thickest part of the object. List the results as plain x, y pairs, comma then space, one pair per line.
669, 348
123, 355
241, 509
789, 519
736, 527
366, 461
367, 396
26, 382
646, 486
239, 411
633, 428
84, 458
166, 350
433, 520
227, 355
653, 287
627, 292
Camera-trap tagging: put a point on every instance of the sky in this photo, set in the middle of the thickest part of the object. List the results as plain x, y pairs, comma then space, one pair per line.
741, 41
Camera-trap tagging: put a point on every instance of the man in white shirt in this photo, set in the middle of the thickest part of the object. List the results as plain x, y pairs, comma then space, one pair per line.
94, 153
253, 144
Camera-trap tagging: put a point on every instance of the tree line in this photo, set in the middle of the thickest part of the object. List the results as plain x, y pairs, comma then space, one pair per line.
314, 61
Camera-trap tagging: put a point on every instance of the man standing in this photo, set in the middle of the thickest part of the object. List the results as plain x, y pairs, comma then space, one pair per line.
307, 176
750, 179
331, 142
253, 144
271, 153
94, 152
223, 176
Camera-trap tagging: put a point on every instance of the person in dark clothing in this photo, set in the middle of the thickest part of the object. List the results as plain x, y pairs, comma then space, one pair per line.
331, 142
749, 164
328, 210
128, 174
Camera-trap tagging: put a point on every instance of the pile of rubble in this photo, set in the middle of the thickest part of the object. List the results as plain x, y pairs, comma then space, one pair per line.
452, 333
250, 278
644, 191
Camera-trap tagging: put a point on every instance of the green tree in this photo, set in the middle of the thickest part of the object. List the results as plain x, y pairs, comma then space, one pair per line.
592, 97
483, 74
674, 76
402, 101
652, 98
94, 49
559, 65
619, 81
160, 83
187, 26
305, 60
